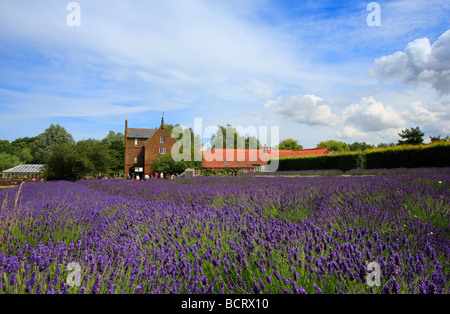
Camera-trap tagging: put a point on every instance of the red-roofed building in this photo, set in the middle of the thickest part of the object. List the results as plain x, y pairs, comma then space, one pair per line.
249, 160
143, 146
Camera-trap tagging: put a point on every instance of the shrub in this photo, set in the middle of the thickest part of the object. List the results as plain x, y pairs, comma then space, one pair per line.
406, 156
344, 162
409, 156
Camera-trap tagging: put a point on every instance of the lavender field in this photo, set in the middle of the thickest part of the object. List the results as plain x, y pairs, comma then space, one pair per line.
270, 235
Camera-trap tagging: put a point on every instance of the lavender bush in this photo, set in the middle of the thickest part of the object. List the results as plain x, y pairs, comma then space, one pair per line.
228, 235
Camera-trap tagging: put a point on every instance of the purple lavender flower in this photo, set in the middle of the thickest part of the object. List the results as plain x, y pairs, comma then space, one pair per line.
318, 290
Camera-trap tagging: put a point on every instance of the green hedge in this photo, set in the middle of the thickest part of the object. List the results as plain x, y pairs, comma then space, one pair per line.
407, 156
342, 162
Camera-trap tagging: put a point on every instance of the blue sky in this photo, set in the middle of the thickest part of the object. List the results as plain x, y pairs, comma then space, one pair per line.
315, 69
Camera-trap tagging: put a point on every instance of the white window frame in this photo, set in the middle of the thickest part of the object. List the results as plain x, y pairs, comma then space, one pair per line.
135, 160
135, 142
162, 139
162, 150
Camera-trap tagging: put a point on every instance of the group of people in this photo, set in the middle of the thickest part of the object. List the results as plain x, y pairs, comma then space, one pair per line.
155, 176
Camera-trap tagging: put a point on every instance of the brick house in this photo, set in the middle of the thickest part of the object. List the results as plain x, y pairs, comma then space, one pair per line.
142, 146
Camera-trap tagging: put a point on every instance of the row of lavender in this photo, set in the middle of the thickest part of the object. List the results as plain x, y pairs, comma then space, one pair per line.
228, 235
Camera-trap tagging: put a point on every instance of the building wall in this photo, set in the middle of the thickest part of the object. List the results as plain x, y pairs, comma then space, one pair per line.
146, 150
153, 145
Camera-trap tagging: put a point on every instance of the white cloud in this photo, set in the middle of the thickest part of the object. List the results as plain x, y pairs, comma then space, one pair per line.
370, 115
351, 133
305, 109
420, 113
420, 62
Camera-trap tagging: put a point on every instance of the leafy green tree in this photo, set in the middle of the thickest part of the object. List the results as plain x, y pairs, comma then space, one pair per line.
8, 161
68, 161
64, 162
289, 144
170, 127
6, 147
23, 142
438, 138
356, 146
115, 143
435, 138
412, 136
166, 164
21, 148
231, 135
385, 145
334, 146
113, 137
117, 153
53, 135
97, 154
25, 155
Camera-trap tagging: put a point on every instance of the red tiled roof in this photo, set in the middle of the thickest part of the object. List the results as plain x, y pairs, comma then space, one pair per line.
248, 158
304, 152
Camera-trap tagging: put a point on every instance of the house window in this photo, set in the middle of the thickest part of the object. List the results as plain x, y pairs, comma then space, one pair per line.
135, 142
135, 160
162, 150
163, 139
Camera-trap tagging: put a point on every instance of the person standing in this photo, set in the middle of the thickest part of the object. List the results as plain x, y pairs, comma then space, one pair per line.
162, 175
137, 178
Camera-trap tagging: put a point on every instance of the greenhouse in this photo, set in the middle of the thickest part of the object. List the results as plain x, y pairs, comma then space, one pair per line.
24, 171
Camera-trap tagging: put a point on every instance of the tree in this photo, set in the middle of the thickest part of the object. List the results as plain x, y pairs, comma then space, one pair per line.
115, 143
166, 164
68, 161
53, 135
435, 138
6, 147
113, 137
231, 135
97, 156
356, 146
25, 155
334, 146
413, 136
117, 153
438, 138
385, 145
289, 144
8, 161
65, 163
